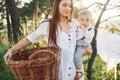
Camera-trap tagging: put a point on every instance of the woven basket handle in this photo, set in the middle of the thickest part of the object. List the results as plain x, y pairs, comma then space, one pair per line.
40, 51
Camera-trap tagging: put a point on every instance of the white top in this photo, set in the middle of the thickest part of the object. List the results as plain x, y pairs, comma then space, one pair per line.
67, 43
88, 35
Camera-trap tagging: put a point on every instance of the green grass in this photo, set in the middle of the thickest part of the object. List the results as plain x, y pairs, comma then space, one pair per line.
5, 72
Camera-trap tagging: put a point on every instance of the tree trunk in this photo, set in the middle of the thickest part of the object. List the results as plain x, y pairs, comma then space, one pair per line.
14, 19
8, 25
36, 14
92, 58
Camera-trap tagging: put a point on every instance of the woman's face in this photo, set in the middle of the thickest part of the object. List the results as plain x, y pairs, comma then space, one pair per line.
65, 8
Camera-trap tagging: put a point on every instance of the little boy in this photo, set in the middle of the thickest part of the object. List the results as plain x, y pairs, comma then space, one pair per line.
84, 44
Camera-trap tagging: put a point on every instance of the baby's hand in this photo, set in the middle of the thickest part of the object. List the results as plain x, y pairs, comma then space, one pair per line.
83, 29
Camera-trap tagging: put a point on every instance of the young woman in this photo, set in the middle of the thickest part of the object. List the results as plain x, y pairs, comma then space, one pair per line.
60, 31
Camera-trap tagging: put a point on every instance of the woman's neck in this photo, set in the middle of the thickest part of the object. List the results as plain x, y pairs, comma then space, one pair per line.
64, 24
63, 20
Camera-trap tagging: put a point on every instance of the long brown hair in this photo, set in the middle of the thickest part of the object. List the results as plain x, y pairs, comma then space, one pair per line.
53, 29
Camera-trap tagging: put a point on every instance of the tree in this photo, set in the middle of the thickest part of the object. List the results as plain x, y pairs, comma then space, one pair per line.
8, 25
34, 10
45, 7
15, 21
2, 10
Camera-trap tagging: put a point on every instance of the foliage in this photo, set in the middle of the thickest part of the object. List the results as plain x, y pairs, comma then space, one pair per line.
5, 72
44, 6
2, 8
99, 69
27, 10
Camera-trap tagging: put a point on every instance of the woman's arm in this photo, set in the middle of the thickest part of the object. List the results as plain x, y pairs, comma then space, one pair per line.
21, 44
31, 38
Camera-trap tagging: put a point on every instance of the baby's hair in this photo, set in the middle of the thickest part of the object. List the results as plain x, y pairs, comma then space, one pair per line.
84, 12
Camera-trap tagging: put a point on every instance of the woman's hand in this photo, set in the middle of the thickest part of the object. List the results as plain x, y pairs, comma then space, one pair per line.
8, 55
21, 44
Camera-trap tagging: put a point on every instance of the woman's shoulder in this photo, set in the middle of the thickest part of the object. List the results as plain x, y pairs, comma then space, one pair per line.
74, 22
44, 23
46, 20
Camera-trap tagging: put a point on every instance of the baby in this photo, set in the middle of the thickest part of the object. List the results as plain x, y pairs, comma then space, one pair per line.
84, 44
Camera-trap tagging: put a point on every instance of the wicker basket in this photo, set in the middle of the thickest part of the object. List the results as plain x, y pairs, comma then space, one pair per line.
36, 64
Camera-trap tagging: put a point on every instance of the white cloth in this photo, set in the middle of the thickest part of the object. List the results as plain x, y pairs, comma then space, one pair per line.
67, 44
79, 33
89, 34
108, 48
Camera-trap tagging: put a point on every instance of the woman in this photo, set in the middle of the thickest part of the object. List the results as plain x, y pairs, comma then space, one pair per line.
60, 31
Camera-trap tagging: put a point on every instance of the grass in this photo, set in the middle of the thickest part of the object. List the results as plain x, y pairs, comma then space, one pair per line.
5, 72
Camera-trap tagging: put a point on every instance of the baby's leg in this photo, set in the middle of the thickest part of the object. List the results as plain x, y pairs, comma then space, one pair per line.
78, 62
78, 56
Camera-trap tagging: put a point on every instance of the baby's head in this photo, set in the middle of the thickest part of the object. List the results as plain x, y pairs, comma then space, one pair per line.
85, 18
